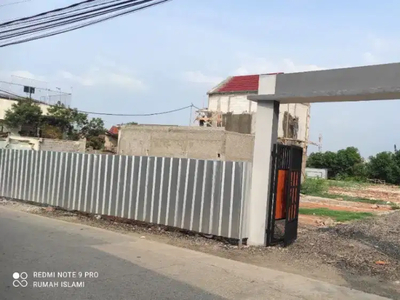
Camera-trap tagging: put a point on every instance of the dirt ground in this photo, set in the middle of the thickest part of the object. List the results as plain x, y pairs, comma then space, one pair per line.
337, 204
364, 255
387, 193
378, 192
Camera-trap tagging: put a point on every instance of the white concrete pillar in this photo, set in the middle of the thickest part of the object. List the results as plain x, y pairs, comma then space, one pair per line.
266, 135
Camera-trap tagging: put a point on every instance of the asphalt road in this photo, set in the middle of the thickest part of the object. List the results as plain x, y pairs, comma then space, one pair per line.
32, 244
111, 265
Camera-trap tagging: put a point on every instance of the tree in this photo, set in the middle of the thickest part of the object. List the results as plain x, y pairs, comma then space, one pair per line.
384, 166
94, 133
344, 163
347, 160
25, 115
326, 160
70, 121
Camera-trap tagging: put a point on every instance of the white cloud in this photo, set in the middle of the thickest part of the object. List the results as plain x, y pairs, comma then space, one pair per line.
106, 73
199, 77
370, 58
380, 44
83, 80
28, 75
23, 77
249, 65
261, 65
290, 66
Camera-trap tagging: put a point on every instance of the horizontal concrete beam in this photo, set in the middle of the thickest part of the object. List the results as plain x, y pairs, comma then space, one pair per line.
377, 82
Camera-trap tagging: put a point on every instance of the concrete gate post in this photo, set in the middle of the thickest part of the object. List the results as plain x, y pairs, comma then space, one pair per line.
266, 135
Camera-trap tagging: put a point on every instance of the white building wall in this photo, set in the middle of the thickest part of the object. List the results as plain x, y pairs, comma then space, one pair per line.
238, 103
6, 104
231, 103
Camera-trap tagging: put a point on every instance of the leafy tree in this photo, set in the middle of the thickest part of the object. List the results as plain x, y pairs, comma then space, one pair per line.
347, 159
51, 132
94, 133
344, 163
26, 114
69, 120
60, 122
384, 166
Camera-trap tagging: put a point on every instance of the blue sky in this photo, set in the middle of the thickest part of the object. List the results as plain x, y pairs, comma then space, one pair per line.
170, 55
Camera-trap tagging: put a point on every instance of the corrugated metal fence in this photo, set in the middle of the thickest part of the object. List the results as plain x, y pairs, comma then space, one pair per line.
198, 195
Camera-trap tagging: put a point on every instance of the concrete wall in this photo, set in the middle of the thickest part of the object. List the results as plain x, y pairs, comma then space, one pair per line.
185, 142
238, 104
110, 143
31, 143
317, 173
63, 145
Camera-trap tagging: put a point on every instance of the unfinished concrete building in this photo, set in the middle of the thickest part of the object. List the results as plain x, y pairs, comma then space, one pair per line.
229, 108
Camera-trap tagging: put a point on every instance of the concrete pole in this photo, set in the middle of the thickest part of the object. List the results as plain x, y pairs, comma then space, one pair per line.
266, 135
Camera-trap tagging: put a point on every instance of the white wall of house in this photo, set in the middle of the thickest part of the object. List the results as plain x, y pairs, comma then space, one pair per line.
33, 143
6, 104
238, 103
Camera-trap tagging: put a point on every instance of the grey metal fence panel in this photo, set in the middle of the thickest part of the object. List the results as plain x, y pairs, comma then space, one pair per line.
196, 195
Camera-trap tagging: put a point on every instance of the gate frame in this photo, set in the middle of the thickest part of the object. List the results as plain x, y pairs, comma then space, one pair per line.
282, 158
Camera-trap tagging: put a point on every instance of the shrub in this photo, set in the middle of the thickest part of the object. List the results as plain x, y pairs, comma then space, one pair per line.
314, 186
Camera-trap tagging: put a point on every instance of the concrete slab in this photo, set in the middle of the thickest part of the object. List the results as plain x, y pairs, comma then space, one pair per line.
375, 82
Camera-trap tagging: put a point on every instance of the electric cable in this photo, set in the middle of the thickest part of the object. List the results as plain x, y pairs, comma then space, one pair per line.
137, 115
72, 28
112, 8
14, 3
117, 114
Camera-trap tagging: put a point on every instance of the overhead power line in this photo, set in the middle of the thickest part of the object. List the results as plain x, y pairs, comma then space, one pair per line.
138, 115
104, 11
48, 12
13, 3
71, 18
117, 114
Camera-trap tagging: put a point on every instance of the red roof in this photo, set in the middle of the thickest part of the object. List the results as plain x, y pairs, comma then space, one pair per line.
245, 83
114, 130
248, 83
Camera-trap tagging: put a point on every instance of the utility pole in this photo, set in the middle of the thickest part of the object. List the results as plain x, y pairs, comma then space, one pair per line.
320, 143
190, 116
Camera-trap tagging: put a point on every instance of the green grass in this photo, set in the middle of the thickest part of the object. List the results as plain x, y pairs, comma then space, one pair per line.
312, 186
346, 184
350, 198
319, 188
337, 215
394, 206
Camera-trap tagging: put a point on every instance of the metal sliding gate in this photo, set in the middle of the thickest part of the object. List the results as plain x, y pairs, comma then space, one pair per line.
283, 202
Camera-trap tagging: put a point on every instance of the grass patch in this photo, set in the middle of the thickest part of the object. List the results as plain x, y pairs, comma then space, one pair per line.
337, 215
350, 198
346, 184
312, 186
319, 188
394, 206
